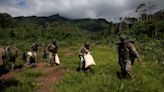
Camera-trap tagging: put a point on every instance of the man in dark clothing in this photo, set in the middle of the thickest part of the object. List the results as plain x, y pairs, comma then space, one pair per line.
125, 49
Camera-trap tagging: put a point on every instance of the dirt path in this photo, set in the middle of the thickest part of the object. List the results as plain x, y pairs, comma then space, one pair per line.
8, 76
51, 75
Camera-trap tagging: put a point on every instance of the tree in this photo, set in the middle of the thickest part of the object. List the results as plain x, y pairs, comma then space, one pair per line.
150, 6
6, 20
141, 10
145, 10
129, 21
120, 25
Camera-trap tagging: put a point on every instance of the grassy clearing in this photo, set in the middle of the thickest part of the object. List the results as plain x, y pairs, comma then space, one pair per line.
103, 77
25, 81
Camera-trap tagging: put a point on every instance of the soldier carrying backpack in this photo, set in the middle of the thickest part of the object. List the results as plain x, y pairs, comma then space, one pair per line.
126, 54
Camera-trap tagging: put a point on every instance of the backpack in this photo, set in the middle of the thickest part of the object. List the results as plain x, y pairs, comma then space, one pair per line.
132, 55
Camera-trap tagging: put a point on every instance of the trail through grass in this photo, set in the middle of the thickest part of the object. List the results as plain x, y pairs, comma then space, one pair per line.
103, 77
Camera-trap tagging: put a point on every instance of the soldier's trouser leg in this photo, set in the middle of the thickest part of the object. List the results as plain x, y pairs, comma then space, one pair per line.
123, 72
81, 62
28, 61
128, 69
12, 66
51, 59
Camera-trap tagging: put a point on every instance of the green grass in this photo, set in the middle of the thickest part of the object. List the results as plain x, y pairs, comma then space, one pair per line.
25, 81
103, 77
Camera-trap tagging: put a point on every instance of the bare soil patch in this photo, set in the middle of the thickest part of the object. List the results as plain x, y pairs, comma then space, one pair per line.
52, 74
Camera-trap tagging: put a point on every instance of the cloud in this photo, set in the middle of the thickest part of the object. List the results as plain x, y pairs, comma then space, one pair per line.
108, 9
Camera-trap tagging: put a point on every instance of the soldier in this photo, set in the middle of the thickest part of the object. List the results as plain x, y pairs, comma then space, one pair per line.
125, 49
86, 49
31, 58
52, 49
10, 54
6, 56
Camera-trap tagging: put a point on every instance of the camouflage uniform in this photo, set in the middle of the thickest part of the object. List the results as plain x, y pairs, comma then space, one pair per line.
10, 55
125, 48
52, 50
86, 49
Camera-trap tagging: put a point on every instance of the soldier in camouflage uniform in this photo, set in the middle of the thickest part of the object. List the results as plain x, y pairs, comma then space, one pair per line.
52, 49
86, 49
10, 54
125, 49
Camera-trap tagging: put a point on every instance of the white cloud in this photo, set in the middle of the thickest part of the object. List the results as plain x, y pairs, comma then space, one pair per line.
109, 9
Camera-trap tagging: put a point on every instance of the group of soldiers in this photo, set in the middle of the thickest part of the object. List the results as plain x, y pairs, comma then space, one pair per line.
10, 53
50, 50
126, 55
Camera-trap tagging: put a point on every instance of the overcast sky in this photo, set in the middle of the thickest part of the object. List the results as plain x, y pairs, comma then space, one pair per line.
108, 9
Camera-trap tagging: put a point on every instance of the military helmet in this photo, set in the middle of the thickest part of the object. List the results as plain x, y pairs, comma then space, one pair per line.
122, 37
86, 44
54, 41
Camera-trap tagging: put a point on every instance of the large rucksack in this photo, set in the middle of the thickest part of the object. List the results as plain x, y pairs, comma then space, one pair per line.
132, 54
